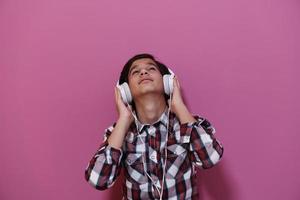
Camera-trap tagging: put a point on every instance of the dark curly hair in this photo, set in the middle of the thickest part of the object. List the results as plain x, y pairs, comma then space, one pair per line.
124, 74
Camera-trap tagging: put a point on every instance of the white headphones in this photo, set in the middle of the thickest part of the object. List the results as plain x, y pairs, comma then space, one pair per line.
168, 87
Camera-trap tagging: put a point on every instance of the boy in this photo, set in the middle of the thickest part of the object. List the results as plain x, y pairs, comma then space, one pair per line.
155, 139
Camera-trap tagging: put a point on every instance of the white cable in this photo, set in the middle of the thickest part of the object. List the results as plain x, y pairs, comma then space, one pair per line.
160, 192
166, 150
143, 154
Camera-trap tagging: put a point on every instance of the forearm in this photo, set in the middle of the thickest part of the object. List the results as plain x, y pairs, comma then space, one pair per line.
183, 114
117, 136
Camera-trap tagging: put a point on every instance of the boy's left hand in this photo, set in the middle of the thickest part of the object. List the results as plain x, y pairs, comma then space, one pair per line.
177, 101
178, 106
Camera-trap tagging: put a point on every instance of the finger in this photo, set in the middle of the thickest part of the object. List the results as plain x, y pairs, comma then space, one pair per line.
119, 99
177, 83
117, 94
174, 81
116, 99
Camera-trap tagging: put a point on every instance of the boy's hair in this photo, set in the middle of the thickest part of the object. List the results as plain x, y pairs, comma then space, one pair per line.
124, 74
125, 71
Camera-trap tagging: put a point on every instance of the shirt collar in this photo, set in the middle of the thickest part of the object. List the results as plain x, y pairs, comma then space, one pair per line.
163, 119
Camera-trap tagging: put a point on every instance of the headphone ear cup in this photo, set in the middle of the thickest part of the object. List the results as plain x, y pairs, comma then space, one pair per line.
125, 93
168, 83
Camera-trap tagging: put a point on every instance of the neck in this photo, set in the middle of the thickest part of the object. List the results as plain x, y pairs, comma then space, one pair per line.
150, 108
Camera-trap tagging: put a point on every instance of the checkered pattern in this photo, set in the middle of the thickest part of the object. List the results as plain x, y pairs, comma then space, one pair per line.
188, 145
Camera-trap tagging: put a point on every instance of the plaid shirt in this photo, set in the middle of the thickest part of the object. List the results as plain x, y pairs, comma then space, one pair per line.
188, 145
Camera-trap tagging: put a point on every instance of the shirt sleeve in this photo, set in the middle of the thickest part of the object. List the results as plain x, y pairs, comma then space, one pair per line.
105, 166
205, 150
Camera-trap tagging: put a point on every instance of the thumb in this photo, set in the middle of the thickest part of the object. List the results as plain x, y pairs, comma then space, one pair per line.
176, 82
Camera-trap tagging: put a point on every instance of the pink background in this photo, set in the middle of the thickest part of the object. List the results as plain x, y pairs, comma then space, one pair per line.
236, 60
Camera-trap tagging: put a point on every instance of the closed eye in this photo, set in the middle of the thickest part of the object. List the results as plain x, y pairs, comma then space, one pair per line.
152, 67
134, 72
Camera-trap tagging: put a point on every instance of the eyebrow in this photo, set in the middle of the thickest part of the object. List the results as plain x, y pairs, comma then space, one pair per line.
150, 62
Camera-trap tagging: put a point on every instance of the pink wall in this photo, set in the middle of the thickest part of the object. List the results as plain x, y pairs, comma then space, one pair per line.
237, 62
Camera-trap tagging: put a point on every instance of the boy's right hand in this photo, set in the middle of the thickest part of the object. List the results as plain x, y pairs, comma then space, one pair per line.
124, 111
116, 138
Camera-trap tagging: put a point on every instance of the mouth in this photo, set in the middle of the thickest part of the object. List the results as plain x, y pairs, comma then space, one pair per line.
145, 80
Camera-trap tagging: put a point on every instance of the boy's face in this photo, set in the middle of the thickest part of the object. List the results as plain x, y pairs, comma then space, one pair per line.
144, 77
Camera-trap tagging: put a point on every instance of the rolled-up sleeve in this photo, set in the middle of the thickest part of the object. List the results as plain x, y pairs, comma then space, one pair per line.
104, 167
205, 150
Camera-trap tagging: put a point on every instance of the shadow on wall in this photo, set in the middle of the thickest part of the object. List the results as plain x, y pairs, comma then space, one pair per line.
116, 192
213, 184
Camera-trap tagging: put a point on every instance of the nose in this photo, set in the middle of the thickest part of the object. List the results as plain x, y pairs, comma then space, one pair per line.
143, 72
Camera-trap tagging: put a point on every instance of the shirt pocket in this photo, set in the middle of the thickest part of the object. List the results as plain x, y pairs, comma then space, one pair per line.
134, 158
178, 162
135, 166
